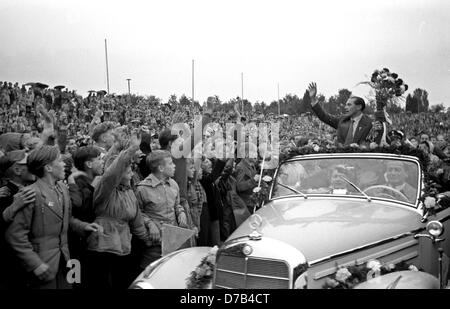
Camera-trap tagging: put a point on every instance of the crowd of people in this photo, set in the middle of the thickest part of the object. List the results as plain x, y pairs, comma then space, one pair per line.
94, 179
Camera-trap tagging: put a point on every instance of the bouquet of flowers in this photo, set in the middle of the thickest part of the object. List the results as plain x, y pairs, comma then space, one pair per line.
388, 88
387, 85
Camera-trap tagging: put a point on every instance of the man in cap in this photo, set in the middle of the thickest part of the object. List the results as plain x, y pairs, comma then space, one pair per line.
13, 166
396, 138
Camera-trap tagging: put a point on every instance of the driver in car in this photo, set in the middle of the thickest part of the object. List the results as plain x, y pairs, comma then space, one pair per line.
396, 176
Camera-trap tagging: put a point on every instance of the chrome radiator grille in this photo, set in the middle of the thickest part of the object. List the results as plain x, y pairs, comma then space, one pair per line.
235, 272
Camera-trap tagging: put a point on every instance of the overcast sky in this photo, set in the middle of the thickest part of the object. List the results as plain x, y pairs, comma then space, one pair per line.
335, 43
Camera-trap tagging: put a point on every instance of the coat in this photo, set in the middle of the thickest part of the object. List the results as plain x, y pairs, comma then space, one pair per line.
231, 200
342, 124
116, 210
38, 233
81, 196
245, 174
11, 276
207, 182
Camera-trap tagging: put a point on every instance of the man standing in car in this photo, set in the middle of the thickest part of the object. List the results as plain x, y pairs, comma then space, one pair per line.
353, 127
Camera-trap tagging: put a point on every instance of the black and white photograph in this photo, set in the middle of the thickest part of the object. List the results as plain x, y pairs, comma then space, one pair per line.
202, 146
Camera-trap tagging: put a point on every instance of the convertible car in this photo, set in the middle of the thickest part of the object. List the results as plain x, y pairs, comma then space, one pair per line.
326, 212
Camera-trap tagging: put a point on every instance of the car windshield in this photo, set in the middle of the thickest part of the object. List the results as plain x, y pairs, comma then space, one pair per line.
392, 179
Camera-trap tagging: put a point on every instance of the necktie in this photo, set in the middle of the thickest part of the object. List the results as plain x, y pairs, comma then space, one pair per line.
349, 138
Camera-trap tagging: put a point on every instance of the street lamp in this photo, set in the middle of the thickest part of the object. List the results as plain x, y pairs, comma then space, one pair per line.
242, 93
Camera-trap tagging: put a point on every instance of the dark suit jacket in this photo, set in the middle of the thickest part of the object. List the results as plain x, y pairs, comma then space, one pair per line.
212, 196
38, 234
82, 198
342, 124
245, 174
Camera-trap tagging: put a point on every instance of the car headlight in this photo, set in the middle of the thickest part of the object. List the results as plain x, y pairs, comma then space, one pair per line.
435, 228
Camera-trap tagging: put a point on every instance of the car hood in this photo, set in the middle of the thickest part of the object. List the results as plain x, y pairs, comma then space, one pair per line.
323, 227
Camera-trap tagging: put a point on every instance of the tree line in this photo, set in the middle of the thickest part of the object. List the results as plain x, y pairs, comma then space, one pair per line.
292, 104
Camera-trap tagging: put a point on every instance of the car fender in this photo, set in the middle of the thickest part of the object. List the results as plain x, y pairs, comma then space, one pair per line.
171, 271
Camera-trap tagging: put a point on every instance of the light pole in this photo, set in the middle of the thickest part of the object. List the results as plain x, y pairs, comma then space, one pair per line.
192, 82
242, 93
107, 68
129, 92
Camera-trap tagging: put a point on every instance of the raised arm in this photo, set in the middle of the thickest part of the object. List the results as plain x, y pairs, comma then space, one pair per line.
48, 135
329, 119
198, 130
113, 174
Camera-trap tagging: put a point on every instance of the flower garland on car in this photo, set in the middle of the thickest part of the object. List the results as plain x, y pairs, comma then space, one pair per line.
261, 192
201, 277
291, 152
432, 199
349, 277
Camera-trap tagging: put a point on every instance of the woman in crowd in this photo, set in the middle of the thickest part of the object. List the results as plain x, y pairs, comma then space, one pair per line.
116, 210
210, 229
195, 193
